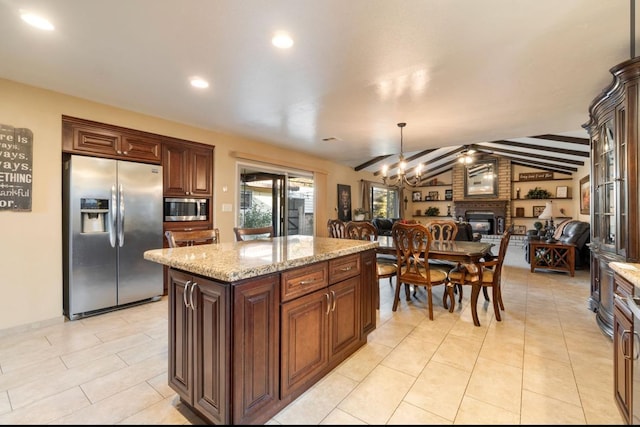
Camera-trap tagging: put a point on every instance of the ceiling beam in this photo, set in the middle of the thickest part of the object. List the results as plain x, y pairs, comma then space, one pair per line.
538, 156
541, 148
565, 170
408, 159
560, 138
371, 162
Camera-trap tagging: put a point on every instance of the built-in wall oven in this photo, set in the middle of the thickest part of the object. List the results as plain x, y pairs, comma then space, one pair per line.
186, 209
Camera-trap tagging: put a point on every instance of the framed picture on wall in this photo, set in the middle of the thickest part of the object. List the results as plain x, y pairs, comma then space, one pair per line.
519, 229
537, 210
585, 195
562, 192
344, 202
416, 196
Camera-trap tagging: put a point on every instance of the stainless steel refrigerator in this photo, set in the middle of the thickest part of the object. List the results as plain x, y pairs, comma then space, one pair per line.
112, 213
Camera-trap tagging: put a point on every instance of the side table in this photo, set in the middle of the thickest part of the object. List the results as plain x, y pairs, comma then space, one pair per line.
552, 256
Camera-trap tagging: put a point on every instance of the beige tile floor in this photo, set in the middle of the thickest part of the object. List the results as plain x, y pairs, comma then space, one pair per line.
546, 363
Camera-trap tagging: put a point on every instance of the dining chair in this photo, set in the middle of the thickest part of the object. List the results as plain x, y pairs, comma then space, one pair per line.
442, 230
191, 238
243, 233
412, 242
365, 230
487, 273
335, 227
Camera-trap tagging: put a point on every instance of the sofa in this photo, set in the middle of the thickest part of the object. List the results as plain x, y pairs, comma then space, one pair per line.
572, 231
384, 225
465, 231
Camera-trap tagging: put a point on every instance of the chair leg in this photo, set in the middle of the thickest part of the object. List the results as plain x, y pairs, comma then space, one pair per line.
396, 297
407, 291
486, 295
458, 286
496, 305
448, 294
430, 302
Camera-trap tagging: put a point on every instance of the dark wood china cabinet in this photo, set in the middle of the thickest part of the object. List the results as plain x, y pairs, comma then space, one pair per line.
615, 216
613, 127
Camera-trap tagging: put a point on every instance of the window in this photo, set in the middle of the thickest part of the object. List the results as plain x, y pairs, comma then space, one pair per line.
384, 202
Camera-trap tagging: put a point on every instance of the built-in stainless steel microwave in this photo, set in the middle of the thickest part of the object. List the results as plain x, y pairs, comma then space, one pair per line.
185, 209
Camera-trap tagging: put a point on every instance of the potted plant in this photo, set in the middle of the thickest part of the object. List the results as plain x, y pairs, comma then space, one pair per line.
538, 226
538, 193
359, 214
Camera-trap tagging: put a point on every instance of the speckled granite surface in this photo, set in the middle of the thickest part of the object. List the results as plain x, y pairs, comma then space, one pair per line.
229, 262
628, 270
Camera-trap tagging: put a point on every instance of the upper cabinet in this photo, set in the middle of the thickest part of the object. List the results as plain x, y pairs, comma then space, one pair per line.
91, 138
188, 169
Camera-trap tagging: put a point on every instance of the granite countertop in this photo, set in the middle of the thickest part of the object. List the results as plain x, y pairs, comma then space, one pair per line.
628, 270
229, 262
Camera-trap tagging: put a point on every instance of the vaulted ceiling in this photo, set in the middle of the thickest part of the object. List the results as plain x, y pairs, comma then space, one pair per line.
510, 77
554, 153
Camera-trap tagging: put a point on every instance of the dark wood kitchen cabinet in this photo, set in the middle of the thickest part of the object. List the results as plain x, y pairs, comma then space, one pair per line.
623, 346
199, 340
188, 169
207, 344
86, 137
319, 328
239, 352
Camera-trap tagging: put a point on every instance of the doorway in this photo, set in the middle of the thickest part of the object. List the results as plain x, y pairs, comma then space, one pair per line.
277, 197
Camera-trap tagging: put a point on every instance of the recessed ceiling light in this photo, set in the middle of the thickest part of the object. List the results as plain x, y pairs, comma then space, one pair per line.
282, 41
199, 83
36, 20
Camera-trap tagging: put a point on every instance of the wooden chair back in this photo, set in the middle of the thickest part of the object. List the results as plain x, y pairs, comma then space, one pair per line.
468, 274
443, 229
191, 238
335, 228
412, 242
253, 233
361, 230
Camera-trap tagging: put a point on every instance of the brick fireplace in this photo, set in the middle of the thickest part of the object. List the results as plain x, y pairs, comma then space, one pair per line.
485, 216
488, 216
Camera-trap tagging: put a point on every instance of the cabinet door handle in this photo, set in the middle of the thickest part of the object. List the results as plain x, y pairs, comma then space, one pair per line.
184, 295
307, 282
193, 306
346, 268
333, 305
328, 304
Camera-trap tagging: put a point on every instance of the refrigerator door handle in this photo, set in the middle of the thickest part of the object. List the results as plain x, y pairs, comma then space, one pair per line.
113, 215
121, 217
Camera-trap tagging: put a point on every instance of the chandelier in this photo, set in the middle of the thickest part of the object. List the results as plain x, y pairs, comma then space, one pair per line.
466, 156
401, 178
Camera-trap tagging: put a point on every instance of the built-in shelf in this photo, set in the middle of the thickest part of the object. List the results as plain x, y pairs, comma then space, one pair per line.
429, 201
435, 185
536, 200
539, 180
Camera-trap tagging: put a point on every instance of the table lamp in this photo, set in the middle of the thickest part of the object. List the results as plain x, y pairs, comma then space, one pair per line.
548, 214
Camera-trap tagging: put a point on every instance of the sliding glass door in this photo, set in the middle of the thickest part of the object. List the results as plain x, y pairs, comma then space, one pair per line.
278, 197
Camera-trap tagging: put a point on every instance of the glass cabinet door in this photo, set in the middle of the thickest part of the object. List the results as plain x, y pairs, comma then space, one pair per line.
622, 242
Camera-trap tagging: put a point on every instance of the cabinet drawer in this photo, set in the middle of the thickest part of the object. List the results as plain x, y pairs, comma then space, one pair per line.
301, 281
622, 287
343, 268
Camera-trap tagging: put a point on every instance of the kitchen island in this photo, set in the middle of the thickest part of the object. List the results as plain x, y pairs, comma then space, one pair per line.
254, 324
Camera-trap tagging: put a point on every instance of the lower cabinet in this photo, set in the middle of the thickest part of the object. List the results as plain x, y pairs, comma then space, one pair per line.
198, 339
624, 352
240, 352
316, 330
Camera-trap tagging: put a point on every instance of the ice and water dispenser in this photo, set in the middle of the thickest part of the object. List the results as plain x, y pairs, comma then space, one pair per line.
94, 215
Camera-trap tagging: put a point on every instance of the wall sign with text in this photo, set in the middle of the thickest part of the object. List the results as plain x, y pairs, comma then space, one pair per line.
535, 176
16, 168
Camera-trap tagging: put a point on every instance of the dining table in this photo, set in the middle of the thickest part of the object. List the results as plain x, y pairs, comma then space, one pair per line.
451, 250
